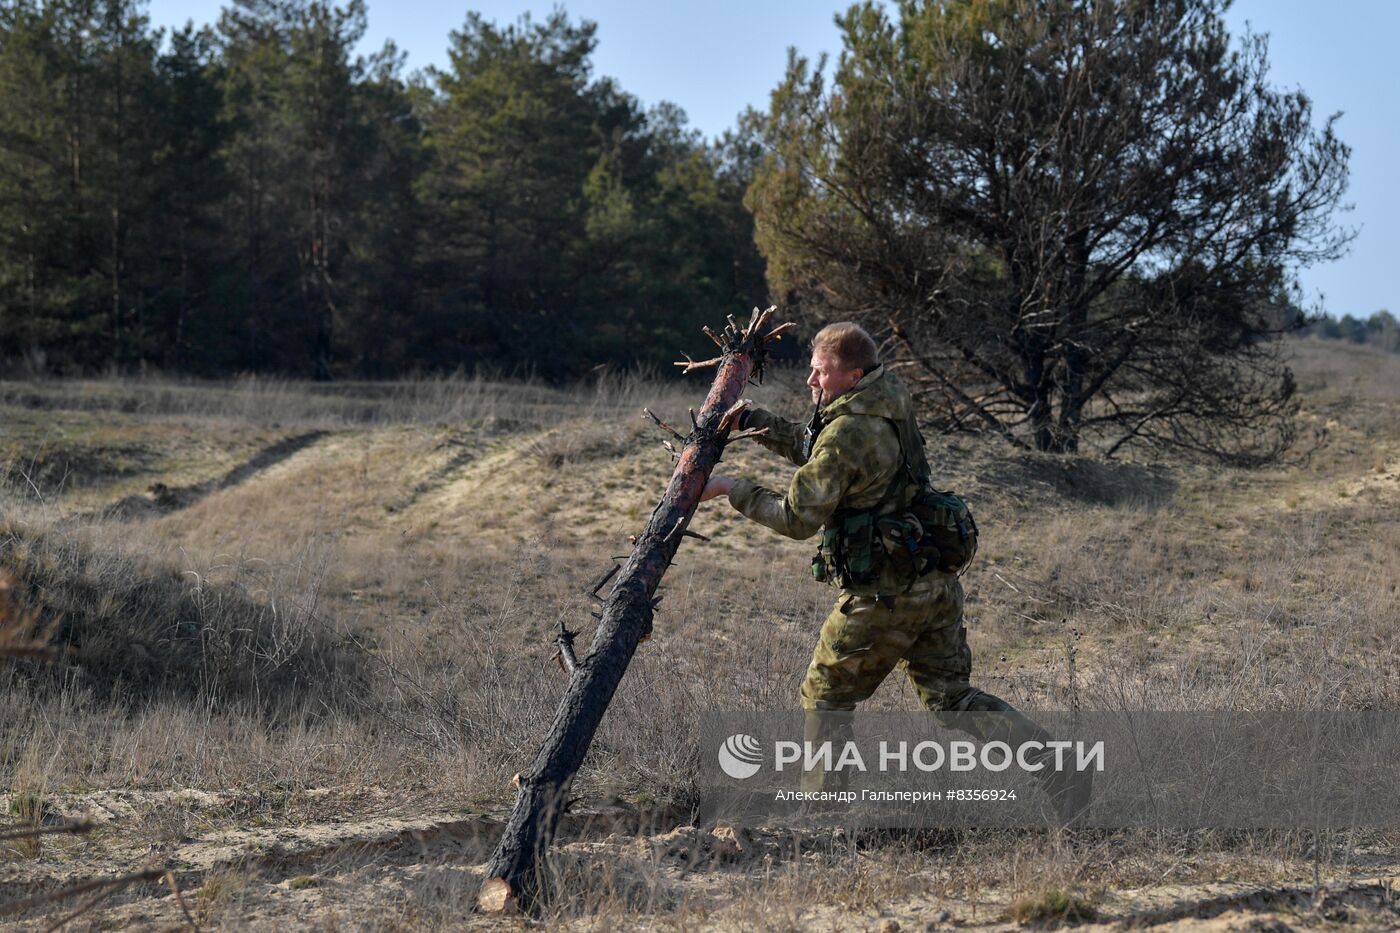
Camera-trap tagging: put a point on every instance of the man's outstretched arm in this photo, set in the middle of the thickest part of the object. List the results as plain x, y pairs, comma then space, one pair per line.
784, 437
815, 491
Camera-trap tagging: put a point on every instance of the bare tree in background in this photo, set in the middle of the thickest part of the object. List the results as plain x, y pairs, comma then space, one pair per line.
1078, 220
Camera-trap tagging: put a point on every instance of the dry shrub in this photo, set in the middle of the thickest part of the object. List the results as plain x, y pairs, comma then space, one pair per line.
223, 895
20, 633
604, 886
1052, 908
130, 627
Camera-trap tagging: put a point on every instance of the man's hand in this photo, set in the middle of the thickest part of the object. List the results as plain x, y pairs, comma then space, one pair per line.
716, 487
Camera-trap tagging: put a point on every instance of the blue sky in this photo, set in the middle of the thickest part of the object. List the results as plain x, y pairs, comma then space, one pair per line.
717, 57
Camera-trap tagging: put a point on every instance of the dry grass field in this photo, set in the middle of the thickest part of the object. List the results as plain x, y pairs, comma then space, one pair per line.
311, 635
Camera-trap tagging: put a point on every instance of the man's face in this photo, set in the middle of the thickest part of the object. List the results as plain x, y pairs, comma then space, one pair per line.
828, 380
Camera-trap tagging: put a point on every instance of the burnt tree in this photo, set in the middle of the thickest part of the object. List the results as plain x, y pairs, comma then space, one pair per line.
512, 876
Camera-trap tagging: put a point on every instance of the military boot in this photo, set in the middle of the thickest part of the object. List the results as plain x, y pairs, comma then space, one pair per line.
999, 722
822, 726
1069, 792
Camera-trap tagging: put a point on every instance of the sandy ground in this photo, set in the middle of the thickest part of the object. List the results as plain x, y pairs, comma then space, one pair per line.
372, 855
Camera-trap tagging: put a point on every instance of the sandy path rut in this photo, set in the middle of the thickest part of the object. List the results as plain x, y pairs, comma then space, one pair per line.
363, 872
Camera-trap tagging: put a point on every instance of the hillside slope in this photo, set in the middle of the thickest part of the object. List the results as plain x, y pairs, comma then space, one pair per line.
313, 630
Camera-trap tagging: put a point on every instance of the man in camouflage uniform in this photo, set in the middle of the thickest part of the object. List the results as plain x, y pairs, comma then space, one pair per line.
857, 461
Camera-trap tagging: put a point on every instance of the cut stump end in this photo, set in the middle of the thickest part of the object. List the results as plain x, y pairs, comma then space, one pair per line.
496, 897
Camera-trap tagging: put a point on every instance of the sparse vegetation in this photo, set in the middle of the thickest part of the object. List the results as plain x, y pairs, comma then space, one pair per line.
1052, 908
329, 668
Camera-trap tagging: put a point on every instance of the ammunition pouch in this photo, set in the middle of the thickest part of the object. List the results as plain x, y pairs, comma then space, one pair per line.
851, 552
937, 532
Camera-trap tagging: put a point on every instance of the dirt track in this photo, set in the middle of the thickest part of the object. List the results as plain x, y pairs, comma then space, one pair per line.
345, 863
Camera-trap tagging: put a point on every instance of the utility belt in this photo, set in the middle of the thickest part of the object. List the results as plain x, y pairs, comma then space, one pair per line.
936, 532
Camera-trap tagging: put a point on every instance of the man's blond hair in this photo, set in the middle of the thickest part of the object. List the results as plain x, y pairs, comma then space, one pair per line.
849, 344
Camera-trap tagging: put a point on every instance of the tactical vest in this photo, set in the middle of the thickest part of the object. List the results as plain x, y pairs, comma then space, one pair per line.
927, 530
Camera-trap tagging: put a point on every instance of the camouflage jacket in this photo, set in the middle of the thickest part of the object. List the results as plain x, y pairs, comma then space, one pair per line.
853, 462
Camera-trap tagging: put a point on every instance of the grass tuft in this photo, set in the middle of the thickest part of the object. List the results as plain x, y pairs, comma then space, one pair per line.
1051, 908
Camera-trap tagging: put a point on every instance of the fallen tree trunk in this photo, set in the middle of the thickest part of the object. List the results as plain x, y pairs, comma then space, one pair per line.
513, 876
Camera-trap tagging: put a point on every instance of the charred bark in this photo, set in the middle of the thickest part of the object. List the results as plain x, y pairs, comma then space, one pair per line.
513, 875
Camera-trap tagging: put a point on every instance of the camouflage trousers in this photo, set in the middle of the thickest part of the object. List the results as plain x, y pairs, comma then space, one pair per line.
921, 632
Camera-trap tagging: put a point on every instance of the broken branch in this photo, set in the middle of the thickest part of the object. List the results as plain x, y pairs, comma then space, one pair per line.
678, 529
603, 580
663, 425
15, 907
690, 365
568, 661
727, 421
753, 322
763, 317
777, 332
180, 899
79, 827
